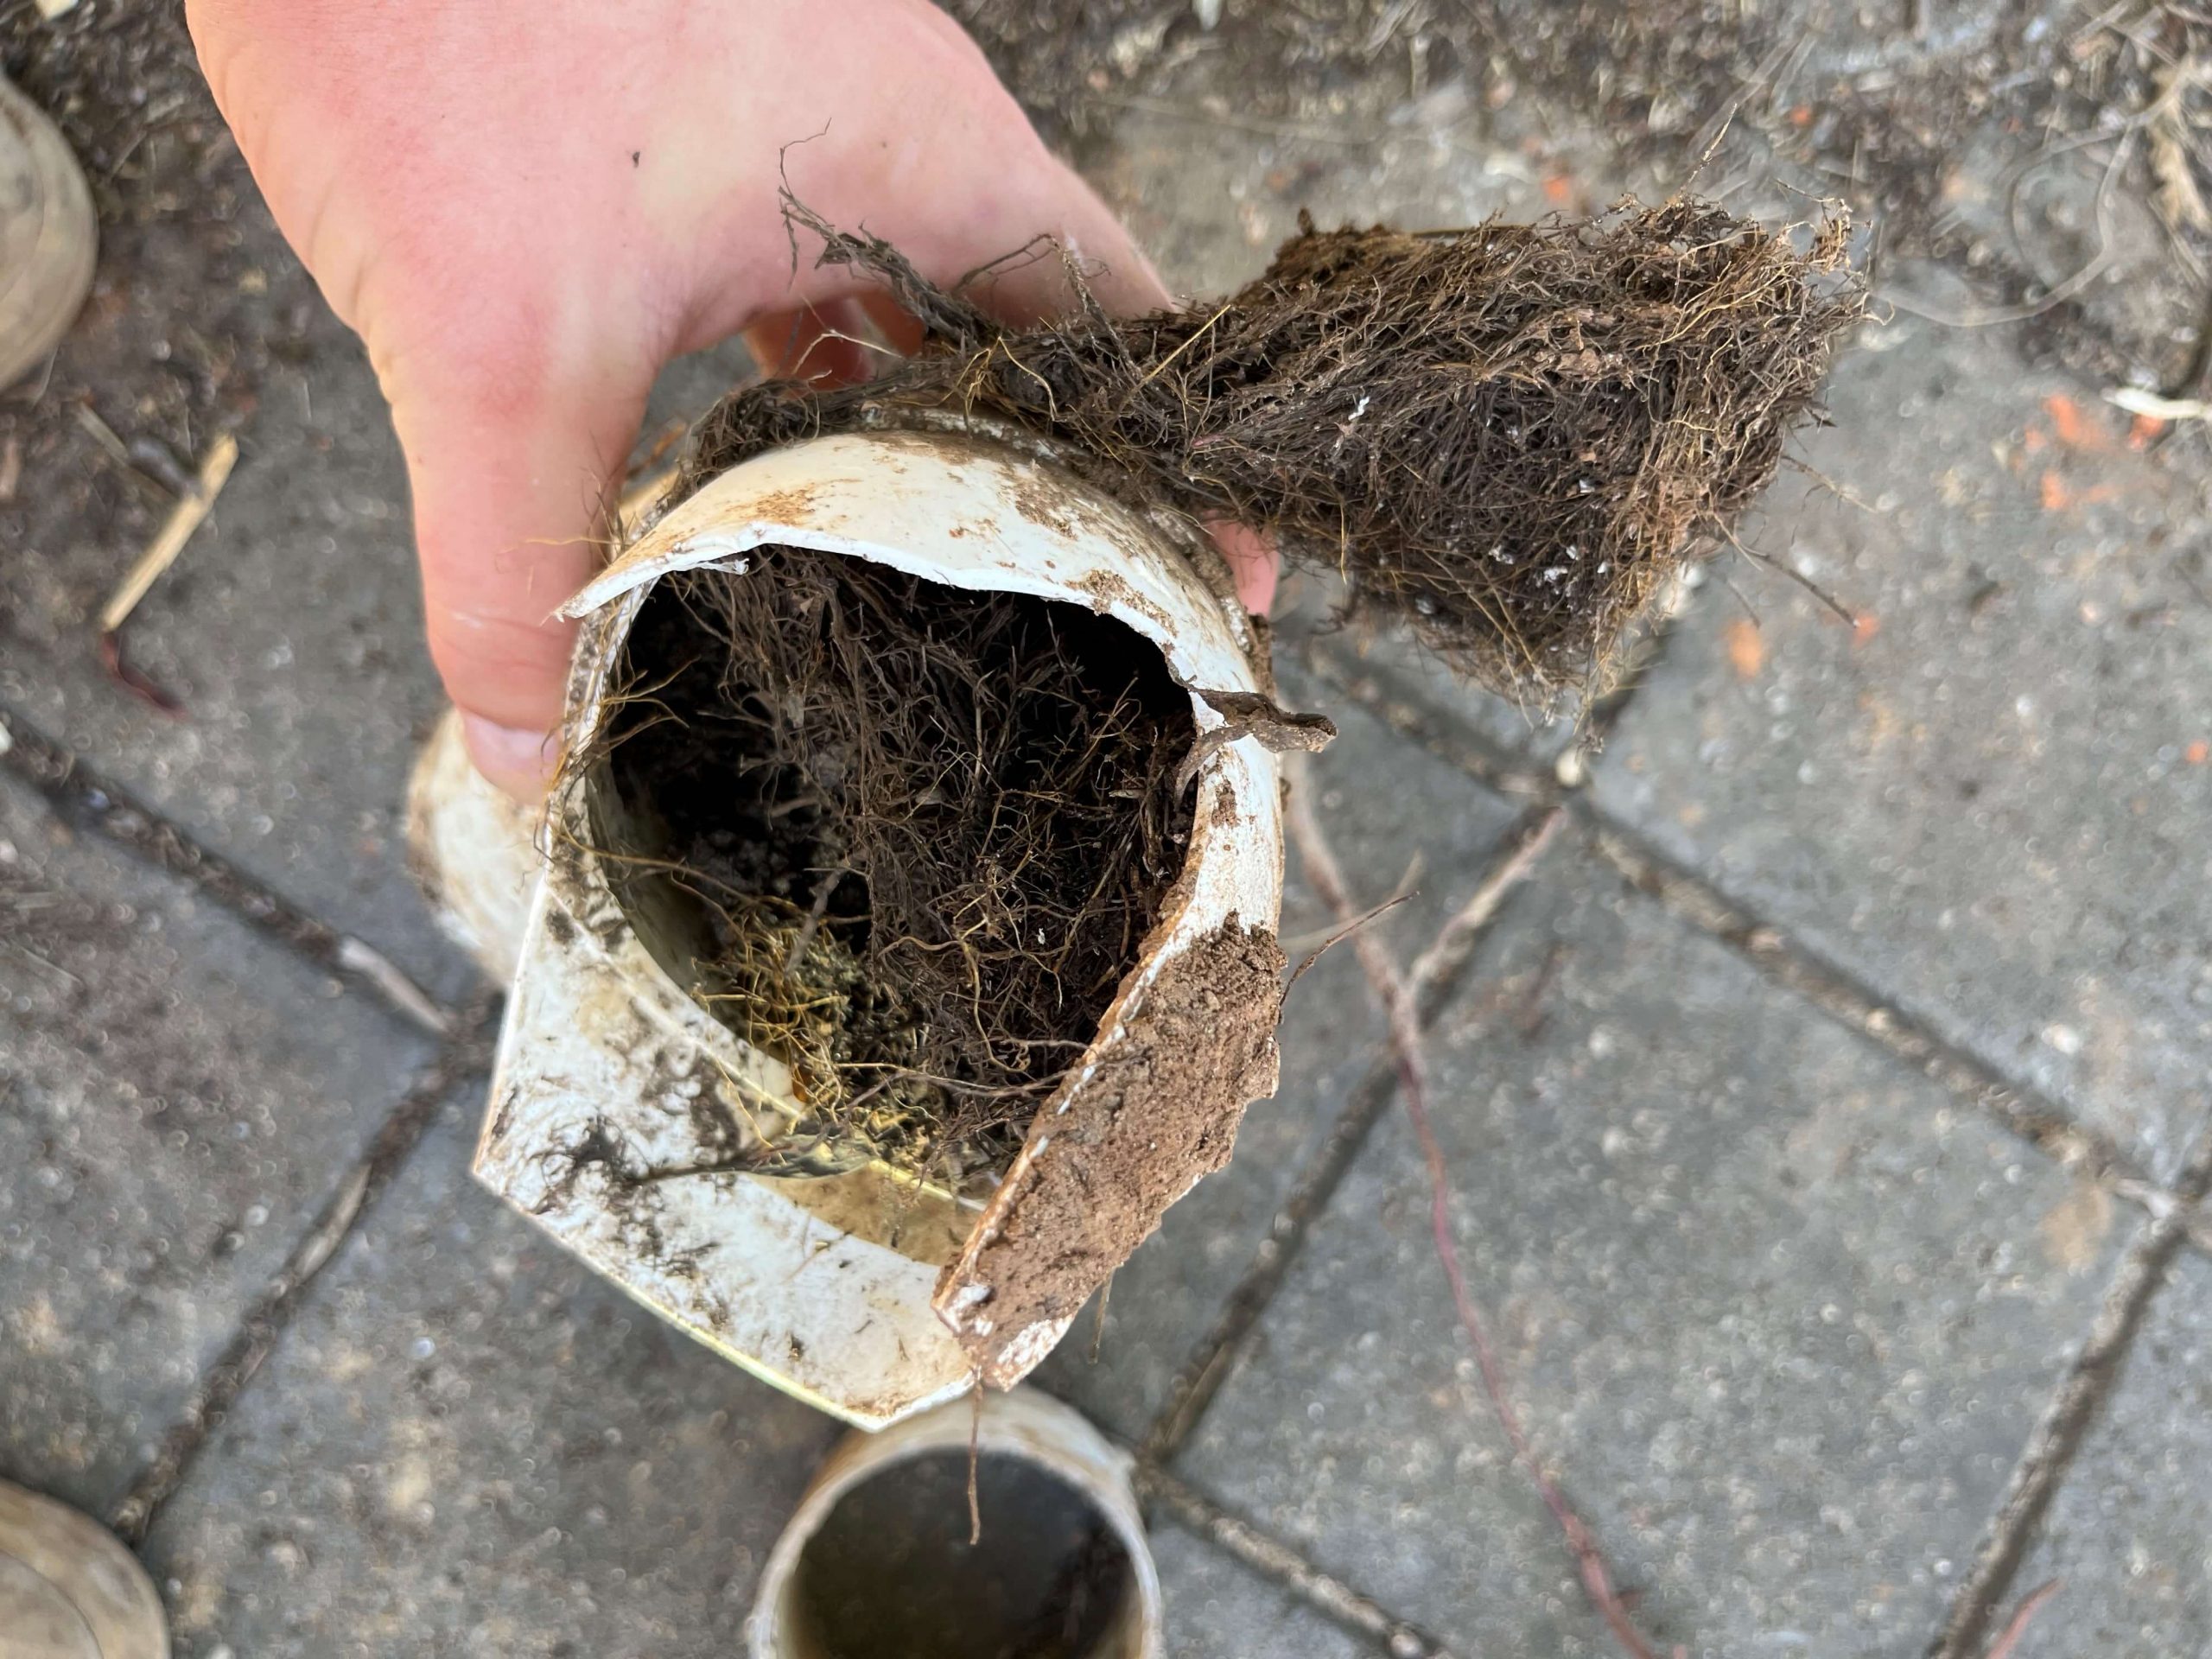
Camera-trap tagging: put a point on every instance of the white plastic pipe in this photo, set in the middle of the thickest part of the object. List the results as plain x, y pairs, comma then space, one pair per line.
1023, 1424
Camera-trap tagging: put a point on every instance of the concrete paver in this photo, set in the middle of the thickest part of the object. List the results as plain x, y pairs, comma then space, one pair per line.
2129, 1533
467, 1443
1989, 804
1775, 1310
179, 1097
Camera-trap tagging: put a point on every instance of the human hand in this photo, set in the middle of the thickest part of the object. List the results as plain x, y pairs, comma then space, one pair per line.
526, 207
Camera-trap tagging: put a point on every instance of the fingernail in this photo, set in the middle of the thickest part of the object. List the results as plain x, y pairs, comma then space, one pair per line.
518, 759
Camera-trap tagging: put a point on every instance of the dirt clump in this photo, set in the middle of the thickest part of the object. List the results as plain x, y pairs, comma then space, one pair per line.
1160, 1111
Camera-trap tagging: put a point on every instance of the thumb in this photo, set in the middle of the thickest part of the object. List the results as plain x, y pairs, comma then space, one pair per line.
514, 479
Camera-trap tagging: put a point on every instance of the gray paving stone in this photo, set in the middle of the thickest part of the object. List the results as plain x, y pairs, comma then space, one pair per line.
179, 1097
1217, 1608
1392, 805
2130, 1531
467, 1443
289, 631
1775, 1311
1993, 808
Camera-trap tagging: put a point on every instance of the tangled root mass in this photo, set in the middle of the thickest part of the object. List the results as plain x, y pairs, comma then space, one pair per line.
929, 829
1505, 437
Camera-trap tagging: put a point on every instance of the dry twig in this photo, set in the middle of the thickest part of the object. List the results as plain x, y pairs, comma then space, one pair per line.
185, 517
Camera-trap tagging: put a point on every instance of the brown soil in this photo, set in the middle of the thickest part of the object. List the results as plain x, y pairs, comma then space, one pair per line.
927, 831
1159, 1112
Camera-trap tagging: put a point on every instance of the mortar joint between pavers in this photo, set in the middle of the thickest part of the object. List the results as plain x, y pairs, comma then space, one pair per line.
1282, 1565
466, 1054
2057, 1435
86, 800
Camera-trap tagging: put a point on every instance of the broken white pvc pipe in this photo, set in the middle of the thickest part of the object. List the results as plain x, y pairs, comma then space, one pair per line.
472, 848
825, 1287
1023, 1424
49, 236
69, 1589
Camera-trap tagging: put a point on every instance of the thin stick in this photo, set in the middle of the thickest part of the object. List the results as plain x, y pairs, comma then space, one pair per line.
51, 966
1342, 932
2059, 293
153, 489
975, 1464
2022, 1616
1391, 989
184, 518
1449, 948
1842, 613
